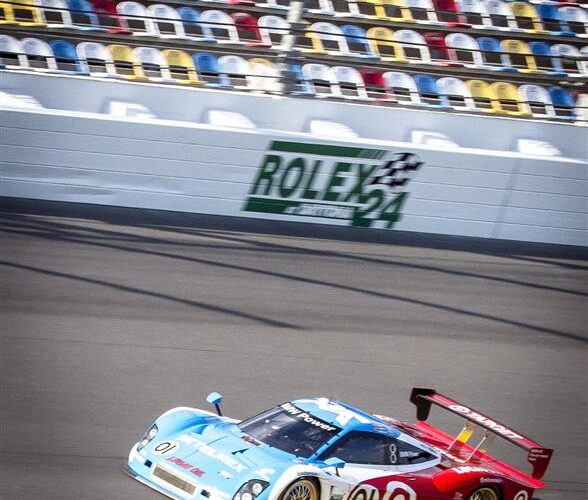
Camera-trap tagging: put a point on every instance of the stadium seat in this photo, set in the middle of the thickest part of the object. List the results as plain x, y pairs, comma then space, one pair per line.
321, 80
125, 62
449, 13
480, 92
475, 13
526, 17
108, 17
584, 61
384, 45
272, 30
66, 57
264, 77
181, 67
346, 8
324, 7
134, 17
517, 54
192, 28
422, 11
367, 8
569, 57
39, 54
327, 38
208, 70
24, 13
401, 88
220, 26
235, 71
581, 109
414, 46
552, 20
164, 21
83, 15
274, 4
357, 42
95, 59
505, 99
12, 54
500, 16
440, 54
429, 92
247, 29
464, 49
456, 93
576, 18
375, 86
546, 60
385, 10
55, 14
563, 103
153, 64
491, 53
350, 83
536, 100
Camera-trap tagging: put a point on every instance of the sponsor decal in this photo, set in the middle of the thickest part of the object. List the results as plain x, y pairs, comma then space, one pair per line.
298, 413
490, 480
395, 490
365, 187
491, 424
165, 448
468, 469
521, 495
265, 473
212, 453
186, 466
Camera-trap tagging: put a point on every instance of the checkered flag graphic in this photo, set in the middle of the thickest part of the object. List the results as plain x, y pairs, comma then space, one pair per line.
397, 172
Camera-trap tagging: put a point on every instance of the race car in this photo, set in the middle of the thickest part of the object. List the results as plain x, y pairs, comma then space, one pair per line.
319, 449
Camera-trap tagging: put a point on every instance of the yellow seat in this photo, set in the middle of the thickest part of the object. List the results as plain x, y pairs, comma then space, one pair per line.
310, 42
505, 99
393, 10
126, 63
526, 17
181, 67
483, 99
383, 44
520, 56
22, 13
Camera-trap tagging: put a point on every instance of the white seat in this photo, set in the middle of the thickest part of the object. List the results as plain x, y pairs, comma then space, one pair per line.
325, 7
331, 37
272, 30
235, 69
56, 13
12, 53
582, 109
39, 54
402, 86
350, 82
423, 11
576, 17
413, 43
153, 63
135, 16
465, 49
457, 93
220, 26
475, 10
533, 95
274, 4
96, 59
569, 57
500, 16
321, 80
264, 76
165, 21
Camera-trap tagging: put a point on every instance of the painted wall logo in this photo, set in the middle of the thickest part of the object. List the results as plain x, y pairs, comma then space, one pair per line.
362, 186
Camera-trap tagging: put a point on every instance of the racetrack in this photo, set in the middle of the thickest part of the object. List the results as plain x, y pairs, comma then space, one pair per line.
105, 324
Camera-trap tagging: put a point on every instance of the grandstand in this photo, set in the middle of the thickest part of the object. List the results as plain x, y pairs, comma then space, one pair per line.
493, 65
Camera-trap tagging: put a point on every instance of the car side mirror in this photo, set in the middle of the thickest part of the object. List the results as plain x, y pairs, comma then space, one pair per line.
214, 398
335, 462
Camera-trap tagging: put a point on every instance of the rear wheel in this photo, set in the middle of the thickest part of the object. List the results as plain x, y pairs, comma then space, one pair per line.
303, 489
484, 494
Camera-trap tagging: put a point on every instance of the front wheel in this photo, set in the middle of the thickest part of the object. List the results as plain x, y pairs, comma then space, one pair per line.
484, 494
303, 489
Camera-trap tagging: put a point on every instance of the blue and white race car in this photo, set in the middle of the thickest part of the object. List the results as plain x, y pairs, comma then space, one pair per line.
318, 449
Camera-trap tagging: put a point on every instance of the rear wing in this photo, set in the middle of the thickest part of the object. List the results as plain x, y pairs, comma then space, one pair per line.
538, 456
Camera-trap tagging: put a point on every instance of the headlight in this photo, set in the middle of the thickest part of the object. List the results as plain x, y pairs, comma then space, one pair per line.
148, 437
251, 490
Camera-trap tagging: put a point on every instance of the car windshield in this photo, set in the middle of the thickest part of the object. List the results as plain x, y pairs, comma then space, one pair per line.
290, 429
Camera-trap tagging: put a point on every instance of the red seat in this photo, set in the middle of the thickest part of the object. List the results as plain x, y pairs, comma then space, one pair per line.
374, 84
449, 13
440, 53
247, 28
108, 17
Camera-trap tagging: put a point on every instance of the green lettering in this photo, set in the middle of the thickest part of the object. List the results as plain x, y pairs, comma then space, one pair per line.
266, 174
336, 181
363, 175
310, 194
296, 167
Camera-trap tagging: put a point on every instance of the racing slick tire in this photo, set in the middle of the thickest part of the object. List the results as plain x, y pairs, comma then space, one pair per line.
301, 489
486, 493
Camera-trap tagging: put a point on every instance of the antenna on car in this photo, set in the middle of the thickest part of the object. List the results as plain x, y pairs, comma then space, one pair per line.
214, 398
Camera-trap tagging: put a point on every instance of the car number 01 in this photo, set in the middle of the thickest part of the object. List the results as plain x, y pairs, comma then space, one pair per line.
164, 448
395, 490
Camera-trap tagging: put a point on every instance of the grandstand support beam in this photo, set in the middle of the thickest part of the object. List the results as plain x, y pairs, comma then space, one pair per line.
291, 56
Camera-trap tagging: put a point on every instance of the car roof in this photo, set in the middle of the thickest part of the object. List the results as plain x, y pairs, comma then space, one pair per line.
345, 416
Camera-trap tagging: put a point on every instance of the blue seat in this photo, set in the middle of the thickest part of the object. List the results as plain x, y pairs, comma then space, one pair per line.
358, 42
545, 59
492, 55
429, 92
563, 103
83, 15
66, 57
552, 20
209, 71
192, 27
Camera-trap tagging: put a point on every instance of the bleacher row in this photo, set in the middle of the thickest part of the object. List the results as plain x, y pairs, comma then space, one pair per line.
378, 65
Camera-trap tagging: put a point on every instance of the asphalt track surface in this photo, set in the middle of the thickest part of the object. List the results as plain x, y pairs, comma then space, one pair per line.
106, 323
